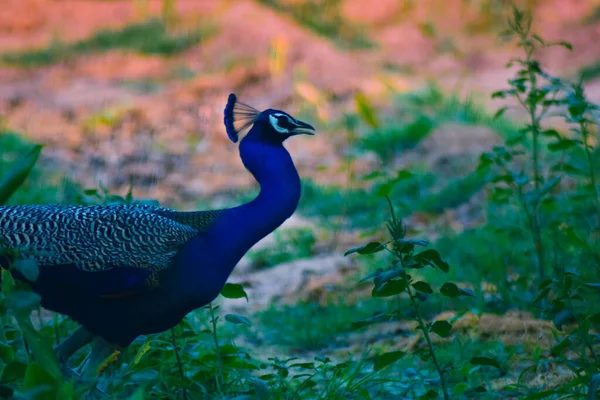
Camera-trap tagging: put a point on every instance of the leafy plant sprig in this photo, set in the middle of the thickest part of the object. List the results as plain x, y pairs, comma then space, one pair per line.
397, 280
537, 93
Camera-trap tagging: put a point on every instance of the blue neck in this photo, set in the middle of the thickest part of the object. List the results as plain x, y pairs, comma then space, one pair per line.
205, 262
280, 188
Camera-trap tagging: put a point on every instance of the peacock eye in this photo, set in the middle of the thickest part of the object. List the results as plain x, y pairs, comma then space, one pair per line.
285, 123
282, 123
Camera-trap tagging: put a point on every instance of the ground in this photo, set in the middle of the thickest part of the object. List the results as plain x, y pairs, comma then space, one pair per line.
125, 117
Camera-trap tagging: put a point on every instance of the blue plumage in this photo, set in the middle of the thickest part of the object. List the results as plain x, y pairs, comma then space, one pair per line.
130, 270
229, 118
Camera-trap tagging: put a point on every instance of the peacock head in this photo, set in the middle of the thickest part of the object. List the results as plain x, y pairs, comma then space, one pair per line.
270, 125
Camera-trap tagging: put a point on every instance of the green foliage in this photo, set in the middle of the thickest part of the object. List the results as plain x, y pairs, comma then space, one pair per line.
551, 222
590, 72
286, 325
454, 193
324, 17
326, 201
358, 208
18, 172
391, 140
399, 279
290, 244
150, 37
417, 115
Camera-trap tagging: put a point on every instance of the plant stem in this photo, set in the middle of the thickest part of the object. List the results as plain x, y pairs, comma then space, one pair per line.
531, 105
425, 330
213, 321
585, 133
179, 364
56, 328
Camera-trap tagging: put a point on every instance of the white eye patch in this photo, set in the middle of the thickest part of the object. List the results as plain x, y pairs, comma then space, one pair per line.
274, 121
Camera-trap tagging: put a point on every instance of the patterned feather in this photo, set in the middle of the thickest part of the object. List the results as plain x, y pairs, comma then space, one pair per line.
101, 238
238, 117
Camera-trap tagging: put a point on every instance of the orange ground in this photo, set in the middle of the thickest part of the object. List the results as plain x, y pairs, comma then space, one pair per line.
171, 143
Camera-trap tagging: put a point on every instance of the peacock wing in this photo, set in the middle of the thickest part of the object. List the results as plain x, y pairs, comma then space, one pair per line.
107, 249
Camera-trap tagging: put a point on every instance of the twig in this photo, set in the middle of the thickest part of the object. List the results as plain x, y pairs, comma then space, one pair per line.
179, 364
217, 348
425, 330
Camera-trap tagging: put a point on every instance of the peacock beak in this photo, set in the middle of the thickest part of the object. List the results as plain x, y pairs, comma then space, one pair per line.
303, 128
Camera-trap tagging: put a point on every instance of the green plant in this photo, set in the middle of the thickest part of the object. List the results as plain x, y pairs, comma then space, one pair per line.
417, 115
536, 91
150, 37
290, 244
286, 325
18, 172
41, 186
391, 140
556, 189
400, 279
455, 193
323, 17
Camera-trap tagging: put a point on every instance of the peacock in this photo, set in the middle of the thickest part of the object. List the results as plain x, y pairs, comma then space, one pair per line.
121, 271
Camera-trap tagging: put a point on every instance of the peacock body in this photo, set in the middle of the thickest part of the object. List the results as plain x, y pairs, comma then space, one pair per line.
126, 270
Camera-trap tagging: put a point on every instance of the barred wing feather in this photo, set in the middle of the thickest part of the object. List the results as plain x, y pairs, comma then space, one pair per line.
94, 238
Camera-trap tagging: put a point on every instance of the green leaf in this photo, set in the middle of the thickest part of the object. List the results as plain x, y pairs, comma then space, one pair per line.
234, 291
17, 174
430, 395
41, 349
13, 371
304, 365
389, 288
500, 112
594, 385
371, 176
576, 110
376, 319
369, 248
558, 349
569, 168
539, 39
422, 287
551, 133
506, 178
365, 110
542, 294
385, 359
500, 94
450, 289
237, 319
385, 189
23, 301
385, 276
561, 318
545, 394
563, 144
36, 376
7, 354
594, 318
592, 285
562, 43
485, 361
261, 390
545, 284
433, 258
66, 390
441, 328
545, 189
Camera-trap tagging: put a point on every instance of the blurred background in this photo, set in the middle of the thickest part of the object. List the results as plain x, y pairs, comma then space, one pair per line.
130, 94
